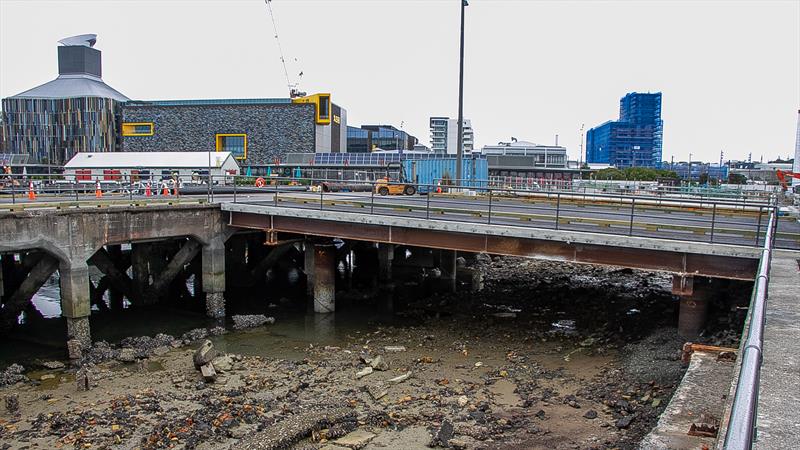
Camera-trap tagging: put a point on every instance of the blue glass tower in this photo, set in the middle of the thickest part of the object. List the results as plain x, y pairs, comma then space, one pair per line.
635, 140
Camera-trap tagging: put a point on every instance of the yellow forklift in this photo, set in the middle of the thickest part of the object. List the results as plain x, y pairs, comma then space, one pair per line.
387, 186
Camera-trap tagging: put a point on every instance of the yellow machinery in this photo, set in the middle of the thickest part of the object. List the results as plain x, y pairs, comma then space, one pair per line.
386, 186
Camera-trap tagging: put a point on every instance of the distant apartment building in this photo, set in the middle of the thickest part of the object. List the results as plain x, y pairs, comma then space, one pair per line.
635, 140
370, 138
444, 135
527, 160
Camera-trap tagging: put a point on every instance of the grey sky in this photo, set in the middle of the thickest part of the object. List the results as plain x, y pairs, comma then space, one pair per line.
729, 71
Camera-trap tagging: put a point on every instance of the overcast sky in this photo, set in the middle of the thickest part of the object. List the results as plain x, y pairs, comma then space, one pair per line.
729, 71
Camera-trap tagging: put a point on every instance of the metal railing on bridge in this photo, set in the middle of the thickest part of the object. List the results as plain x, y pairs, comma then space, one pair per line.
737, 222
742, 427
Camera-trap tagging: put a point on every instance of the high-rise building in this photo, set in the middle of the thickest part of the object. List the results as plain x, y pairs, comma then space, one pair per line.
444, 135
635, 140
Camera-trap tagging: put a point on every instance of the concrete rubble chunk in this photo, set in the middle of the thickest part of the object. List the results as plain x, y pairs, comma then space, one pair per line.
400, 378
377, 391
356, 440
364, 372
462, 401
204, 354
83, 379
378, 363
241, 322
394, 348
12, 403
292, 429
209, 374
223, 363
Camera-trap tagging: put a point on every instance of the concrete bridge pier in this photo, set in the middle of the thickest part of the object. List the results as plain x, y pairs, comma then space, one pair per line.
448, 266
694, 293
309, 267
385, 258
75, 300
213, 271
324, 277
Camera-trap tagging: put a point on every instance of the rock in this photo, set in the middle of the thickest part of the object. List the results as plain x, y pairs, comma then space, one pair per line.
656, 402
53, 365
377, 391
13, 374
394, 348
505, 315
83, 379
363, 372
205, 354
12, 403
209, 374
462, 401
478, 364
356, 440
442, 436
590, 414
47, 376
127, 355
74, 349
458, 444
461, 262
378, 363
400, 378
222, 363
624, 422
241, 322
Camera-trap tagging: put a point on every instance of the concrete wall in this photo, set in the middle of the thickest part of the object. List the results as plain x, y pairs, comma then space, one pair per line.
272, 129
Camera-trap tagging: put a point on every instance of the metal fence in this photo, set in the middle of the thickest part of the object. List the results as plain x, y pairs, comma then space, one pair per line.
741, 431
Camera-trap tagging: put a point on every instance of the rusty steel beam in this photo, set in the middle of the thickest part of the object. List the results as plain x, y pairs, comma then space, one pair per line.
715, 266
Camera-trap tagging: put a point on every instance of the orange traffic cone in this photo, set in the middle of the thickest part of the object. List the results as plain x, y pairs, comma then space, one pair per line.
147, 191
166, 190
31, 192
98, 192
176, 189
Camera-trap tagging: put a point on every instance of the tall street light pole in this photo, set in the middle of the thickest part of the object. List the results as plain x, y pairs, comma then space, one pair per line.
460, 139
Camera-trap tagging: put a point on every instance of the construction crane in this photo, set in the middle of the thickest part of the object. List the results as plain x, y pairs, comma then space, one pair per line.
294, 92
783, 174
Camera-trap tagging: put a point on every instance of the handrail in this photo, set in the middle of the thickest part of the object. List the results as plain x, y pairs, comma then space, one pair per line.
742, 423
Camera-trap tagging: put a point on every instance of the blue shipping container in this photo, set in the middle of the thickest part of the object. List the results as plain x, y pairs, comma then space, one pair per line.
428, 172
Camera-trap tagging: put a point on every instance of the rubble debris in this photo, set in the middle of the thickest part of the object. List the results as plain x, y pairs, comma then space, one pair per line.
378, 363
74, 349
208, 372
377, 391
241, 322
394, 348
294, 428
12, 403
12, 375
400, 378
53, 365
363, 372
442, 435
356, 440
83, 378
204, 354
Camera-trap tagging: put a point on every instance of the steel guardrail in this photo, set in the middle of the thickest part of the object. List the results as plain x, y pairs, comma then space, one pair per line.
742, 432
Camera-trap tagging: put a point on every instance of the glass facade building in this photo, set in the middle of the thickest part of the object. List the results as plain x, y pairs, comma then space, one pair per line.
635, 140
369, 138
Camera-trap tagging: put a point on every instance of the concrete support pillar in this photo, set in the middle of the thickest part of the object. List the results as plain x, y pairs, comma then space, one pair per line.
324, 278
75, 300
447, 263
140, 270
385, 258
693, 293
214, 279
308, 267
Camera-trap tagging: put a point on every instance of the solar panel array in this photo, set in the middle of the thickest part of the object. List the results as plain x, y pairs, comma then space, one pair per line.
371, 159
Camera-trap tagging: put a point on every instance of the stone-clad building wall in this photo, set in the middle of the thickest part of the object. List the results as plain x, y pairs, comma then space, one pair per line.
273, 130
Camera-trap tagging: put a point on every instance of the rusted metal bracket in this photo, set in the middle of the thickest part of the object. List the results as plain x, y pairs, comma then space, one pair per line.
682, 285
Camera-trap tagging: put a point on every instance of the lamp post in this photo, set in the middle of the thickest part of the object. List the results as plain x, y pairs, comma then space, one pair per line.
460, 138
